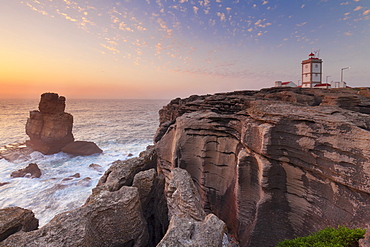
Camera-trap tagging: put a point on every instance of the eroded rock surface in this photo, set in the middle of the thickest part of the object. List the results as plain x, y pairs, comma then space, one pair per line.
15, 219
273, 164
188, 232
189, 225
109, 219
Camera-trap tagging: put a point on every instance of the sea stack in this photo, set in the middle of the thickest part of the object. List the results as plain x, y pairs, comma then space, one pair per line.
49, 128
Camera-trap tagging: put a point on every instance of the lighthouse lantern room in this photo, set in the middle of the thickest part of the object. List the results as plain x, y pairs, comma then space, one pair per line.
311, 71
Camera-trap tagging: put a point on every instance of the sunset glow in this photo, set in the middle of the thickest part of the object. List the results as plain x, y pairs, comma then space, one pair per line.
167, 49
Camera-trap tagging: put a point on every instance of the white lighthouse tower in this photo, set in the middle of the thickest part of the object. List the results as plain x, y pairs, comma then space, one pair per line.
311, 71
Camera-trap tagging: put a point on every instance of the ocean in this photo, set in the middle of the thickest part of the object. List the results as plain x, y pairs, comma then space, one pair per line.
121, 128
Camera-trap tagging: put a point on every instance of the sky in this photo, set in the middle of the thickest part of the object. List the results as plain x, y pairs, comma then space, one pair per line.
163, 49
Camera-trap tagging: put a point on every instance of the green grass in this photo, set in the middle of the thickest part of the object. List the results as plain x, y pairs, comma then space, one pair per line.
328, 237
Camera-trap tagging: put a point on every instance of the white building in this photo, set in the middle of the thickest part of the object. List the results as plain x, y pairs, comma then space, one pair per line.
285, 84
340, 84
311, 71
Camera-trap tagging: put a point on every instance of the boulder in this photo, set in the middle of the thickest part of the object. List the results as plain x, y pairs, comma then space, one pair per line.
31, 171
15, 219
110, 219
49, 129
82, 148
116, 219
183, 198
122, 173
189, 232
145, 181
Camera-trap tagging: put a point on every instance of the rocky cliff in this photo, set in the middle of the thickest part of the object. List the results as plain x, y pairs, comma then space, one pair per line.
263, 165
276, 163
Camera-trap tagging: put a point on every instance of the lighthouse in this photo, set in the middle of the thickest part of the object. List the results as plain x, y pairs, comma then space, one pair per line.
311, 71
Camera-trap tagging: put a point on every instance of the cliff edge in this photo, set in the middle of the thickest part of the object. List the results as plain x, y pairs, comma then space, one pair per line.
276, 163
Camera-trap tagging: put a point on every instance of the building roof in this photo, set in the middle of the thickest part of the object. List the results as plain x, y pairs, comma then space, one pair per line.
323, 85
285, 83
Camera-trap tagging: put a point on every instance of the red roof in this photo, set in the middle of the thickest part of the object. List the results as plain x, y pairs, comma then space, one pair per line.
322, 85
285, 83
311, 54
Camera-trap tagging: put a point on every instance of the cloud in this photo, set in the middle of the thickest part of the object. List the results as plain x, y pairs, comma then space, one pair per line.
366, 12
301, 24
222, 16
348, 33
358, 8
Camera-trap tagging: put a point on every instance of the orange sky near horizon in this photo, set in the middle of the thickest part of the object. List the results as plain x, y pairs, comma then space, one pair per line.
163, 50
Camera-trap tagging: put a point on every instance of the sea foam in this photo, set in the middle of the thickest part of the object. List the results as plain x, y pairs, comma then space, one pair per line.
121, 128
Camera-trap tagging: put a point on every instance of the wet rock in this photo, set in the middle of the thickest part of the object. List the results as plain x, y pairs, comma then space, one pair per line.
31, 171
85, 182
76, 175
82, 148
49, 129
5, 183
15, 219
16, 153
96, 167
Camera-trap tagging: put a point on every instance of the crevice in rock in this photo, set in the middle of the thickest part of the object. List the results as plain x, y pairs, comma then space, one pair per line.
9, 232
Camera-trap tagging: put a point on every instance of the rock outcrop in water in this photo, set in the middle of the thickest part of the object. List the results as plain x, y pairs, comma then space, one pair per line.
50, 129
31, 171
270, 164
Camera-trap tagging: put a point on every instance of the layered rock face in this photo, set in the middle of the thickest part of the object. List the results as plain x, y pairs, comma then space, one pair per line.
50, 128
273, 164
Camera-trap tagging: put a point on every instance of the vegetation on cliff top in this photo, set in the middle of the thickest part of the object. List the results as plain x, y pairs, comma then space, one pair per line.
328, 237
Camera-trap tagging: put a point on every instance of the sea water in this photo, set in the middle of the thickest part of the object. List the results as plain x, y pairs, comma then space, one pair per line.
121, 128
